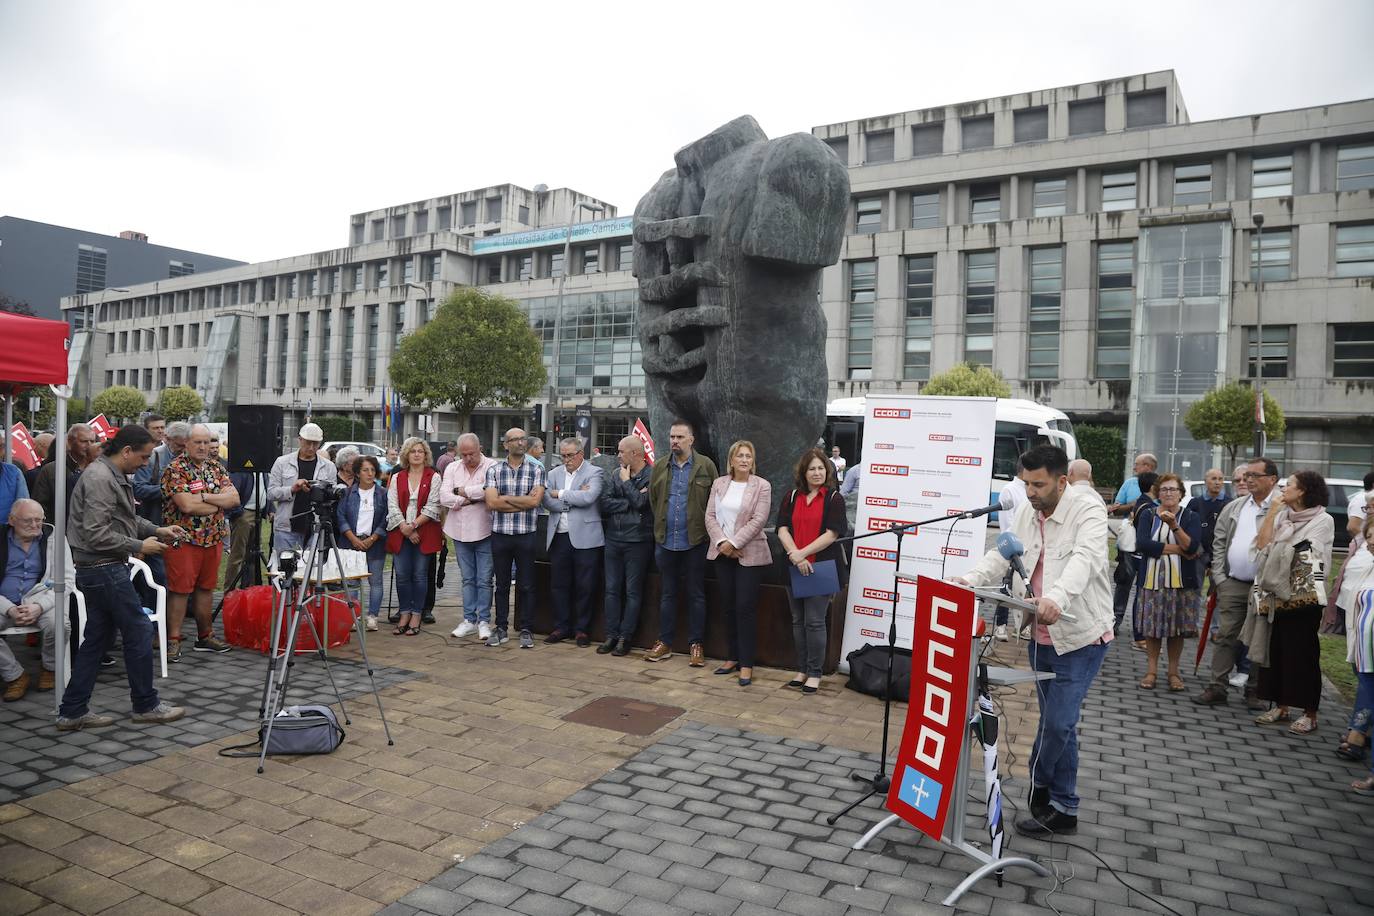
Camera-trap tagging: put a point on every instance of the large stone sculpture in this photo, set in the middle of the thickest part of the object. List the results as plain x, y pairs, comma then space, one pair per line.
728, 250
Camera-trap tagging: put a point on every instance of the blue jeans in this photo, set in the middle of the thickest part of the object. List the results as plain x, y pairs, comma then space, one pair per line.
627, 565
1054, 758
412, 577
689, 564
474, 560
376, 589
286, 540
1363, 711
111, 604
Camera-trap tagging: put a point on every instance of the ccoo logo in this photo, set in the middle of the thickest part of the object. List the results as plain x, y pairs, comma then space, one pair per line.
940, 437
875, 553
886, 502
972, 461
891, 470
883, 524
877, 594
891, 413
865, 611
873, 634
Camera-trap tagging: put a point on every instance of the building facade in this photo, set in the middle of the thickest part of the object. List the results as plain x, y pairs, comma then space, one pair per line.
1088, 242
41, 263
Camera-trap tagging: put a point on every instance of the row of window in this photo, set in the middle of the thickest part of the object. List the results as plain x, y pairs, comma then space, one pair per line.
1029, 125
166, 337
548, 264
1352, 344
1271, 176
395, 226
331, 369
142, 379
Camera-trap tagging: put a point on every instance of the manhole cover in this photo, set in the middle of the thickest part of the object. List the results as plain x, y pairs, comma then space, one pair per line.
622, 714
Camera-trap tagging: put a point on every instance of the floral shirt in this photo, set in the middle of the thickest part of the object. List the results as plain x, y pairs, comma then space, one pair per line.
185, 476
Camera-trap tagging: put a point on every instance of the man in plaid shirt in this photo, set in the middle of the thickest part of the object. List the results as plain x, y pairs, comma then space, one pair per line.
514, 490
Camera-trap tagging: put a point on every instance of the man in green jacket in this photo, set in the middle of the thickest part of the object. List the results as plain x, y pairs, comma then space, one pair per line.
679, 489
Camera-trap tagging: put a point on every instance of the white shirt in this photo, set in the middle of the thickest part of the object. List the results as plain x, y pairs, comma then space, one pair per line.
729, 506
1086, 487
1355, 507
1238, 556
365, 497
570, 484
1013, 495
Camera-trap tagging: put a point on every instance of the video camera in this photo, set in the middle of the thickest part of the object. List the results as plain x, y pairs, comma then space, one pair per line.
326, 495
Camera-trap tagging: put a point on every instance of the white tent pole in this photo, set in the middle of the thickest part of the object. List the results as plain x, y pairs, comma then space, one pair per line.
59, 559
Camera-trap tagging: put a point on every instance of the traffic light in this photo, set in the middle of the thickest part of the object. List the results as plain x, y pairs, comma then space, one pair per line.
537, 417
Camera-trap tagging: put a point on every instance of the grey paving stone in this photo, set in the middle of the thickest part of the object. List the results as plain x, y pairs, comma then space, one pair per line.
700, 878
539, 879
480, 887
600, 898
751, 891
436, 900
536, 904
646, 886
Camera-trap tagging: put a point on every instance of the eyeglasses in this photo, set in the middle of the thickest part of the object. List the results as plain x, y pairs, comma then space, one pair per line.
1170, 490
29, 521
515, 439
1251, 475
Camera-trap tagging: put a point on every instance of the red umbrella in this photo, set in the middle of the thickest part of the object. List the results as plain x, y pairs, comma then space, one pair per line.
1206, 628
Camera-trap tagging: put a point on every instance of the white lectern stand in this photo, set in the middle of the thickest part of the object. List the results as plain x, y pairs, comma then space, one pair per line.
954, 837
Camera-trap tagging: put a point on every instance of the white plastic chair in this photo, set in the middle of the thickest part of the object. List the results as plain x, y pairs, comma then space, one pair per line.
80, 631
159, 616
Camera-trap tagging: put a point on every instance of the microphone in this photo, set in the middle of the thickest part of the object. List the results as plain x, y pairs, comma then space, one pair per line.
974, 513
1011, 549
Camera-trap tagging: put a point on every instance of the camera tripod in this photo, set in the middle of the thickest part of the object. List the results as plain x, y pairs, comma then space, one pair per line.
289, 606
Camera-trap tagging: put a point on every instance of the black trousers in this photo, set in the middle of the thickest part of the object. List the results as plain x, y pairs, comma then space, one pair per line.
738, 588
521, 549
572, 584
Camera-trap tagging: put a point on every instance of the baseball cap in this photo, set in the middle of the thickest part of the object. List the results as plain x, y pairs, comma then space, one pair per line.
312, 432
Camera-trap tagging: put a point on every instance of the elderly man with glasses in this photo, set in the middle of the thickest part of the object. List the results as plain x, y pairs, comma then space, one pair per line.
26, 600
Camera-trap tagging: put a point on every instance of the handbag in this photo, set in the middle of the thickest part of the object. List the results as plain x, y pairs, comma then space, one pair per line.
303, 730
1306, 583
868, 671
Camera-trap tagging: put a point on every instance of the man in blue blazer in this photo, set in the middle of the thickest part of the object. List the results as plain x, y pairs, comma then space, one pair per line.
575, 540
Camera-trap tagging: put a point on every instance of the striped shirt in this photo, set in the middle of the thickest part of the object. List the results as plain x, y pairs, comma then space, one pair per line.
509, 481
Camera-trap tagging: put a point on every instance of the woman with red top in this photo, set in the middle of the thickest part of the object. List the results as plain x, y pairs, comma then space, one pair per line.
413, 522
811, 519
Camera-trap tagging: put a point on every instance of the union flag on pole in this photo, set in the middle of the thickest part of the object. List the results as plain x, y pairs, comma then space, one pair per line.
642, 433
103, 427
22, 447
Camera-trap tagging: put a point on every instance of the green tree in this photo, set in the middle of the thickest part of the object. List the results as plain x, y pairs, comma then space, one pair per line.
179, 403
119, 404
1104, 447
343, 429
14, 306
970, 381
47, 408
478, 349
1226, 417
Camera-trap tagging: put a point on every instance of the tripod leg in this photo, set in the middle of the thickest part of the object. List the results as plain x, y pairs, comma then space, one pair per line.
854, 804
362, 637
275, 699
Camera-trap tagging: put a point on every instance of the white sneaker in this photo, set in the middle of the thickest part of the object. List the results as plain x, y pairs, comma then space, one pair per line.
371, 624
466, 628
484, 631
1239, 679
1000, 634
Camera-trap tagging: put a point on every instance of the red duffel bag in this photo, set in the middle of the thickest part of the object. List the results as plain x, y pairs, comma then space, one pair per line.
247, 618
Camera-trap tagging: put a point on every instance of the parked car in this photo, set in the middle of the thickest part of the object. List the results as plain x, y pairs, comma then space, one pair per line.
364, 448
1341, 489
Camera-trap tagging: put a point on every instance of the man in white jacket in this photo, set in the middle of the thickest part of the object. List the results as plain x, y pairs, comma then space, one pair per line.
1065, 535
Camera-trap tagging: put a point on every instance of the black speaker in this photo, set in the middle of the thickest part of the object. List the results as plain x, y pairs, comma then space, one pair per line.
255, 432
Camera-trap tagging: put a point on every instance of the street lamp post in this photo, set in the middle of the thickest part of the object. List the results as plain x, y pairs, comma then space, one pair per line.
1259, 334
555, 395
91, 314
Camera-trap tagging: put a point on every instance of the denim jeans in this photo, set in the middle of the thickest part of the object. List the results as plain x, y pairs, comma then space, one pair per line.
376, 589
287, 540
738, 587
690, 565
412, 577
1054, 757
627, 565
1363, 711
521, 549
111, 604
474, 560
808, 632
572, 584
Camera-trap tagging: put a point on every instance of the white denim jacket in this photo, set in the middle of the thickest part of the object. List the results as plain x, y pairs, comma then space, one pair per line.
1076, 575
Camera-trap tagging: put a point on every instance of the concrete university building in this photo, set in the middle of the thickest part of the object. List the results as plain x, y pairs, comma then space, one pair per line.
1089, 242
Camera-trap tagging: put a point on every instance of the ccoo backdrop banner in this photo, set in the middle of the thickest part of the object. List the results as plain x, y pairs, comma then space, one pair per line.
922, 457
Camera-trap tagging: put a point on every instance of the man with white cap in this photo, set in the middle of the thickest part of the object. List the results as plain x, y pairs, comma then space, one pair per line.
288, 486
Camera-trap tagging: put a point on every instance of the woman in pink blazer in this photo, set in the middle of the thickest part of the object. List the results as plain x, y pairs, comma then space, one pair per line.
735, 516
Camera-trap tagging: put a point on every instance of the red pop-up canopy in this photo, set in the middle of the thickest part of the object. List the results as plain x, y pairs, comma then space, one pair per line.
35, 352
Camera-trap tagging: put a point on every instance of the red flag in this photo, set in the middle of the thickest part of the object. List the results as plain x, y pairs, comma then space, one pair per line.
642, 433
103, 427
22, 447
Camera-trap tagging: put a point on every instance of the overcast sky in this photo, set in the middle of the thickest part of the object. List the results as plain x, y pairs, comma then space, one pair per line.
253, 130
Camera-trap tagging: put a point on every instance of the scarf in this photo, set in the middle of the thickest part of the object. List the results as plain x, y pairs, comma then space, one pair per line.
1290, 520
1166, 570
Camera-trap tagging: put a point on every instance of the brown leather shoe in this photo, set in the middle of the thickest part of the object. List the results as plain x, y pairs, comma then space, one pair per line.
46, 679
698, 656
1252, 700
658, 652
15, 689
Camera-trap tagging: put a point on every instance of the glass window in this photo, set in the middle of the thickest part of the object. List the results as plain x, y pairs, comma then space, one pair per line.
1032, 124
591, 260
445, 218
1118, 190
1115, 306
326, 326
1352, 452
436, 267
1273, 252
625, 256
346, 350
283, 347
162, 378
191, 375
1278, 344
398, 226
1193, 184
290, 286
493, 209
358, 230
194, 334
1355, 168
398, 323
381, 272
378, 230
357, 277
1145, 109
1271, 176
840, 147
493, 272
180, 269
469, 213
1046, 294
523, 213
179, 336
976, 132
925, 209
371, 313
863, 291
879, 146
1051, 196
312, 283
303, 348
264, 334
609, 432
1087, 117
868, 214
920, 301
980, 297
90, 268
526, 262
1355, 251
421, 221
556, 263
408, 270
985, 203
928, 139
1352, 351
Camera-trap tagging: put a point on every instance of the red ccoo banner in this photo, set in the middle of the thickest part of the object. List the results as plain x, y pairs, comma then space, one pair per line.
22, 447
642, 433
103, 427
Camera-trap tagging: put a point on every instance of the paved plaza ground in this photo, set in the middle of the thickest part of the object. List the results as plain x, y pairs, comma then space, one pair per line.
490, 801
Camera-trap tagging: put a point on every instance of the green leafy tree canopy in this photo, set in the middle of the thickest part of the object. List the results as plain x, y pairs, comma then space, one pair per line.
1226, 417
478, 349
179, 403
46, 417
119, 404
970, 381
342, 429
